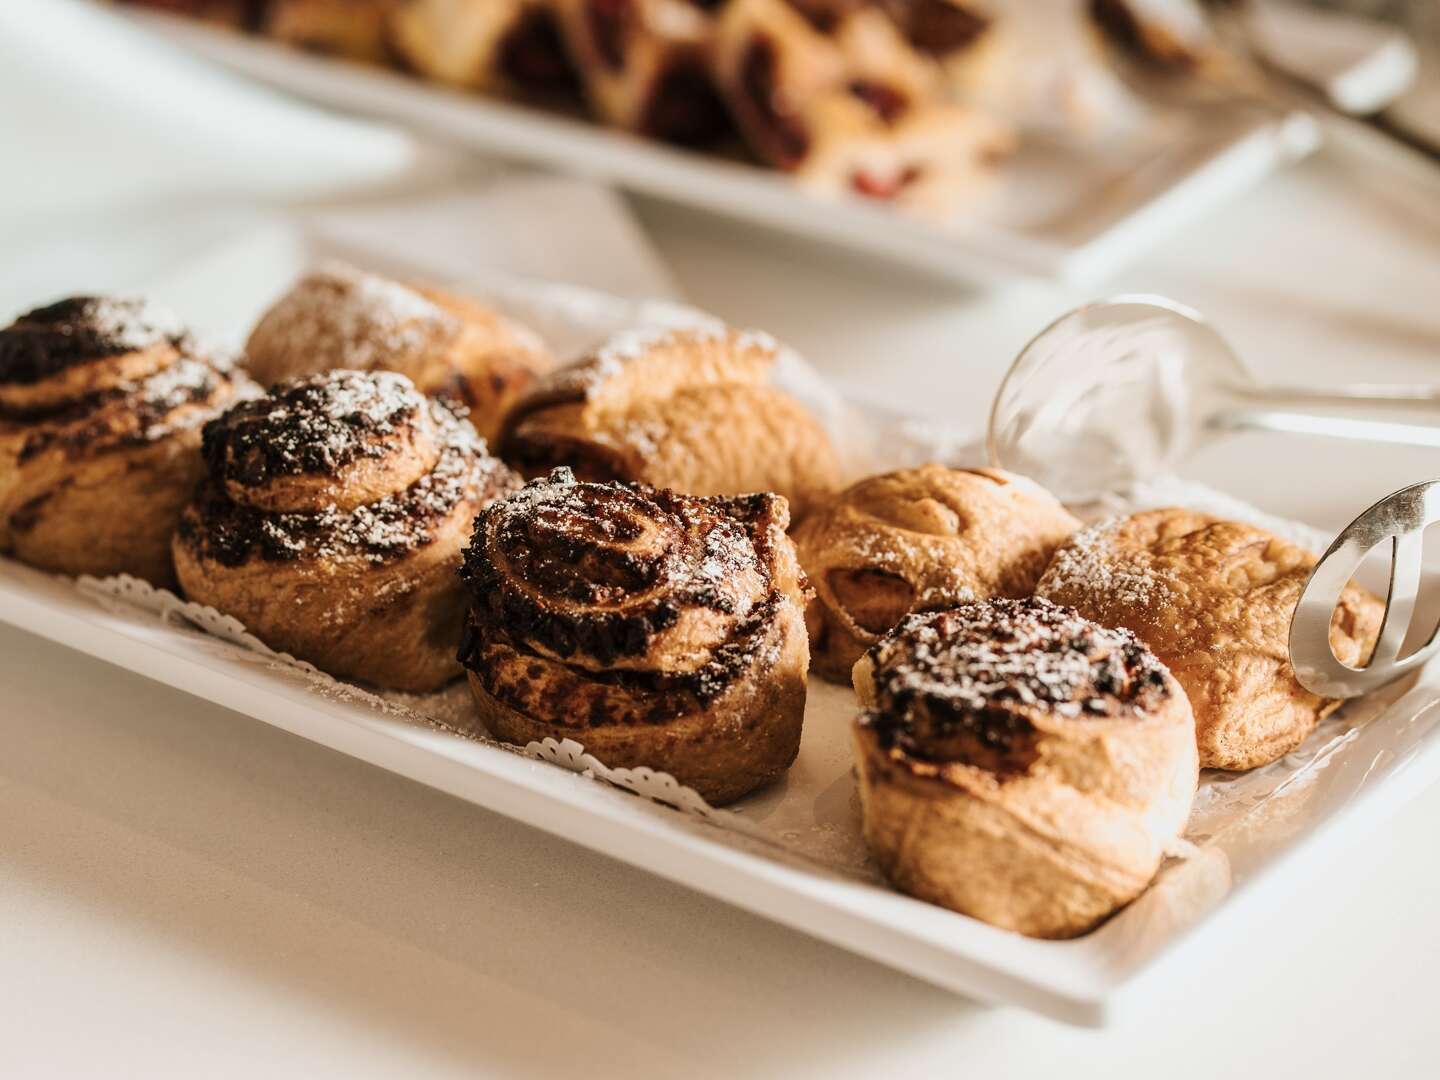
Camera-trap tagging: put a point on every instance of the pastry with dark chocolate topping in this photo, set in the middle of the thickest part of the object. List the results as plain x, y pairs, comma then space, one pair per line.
332, 520
101, 404
654, 628
1021, 764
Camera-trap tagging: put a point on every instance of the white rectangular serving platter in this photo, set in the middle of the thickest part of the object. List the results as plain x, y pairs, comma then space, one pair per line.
1366, 761
1074, 213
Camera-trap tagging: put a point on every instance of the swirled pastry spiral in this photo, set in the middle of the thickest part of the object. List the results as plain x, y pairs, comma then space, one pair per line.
655, 628
338, 317
691, 410
916, 540
1020, 764
1214, 599
101, 404
332, 521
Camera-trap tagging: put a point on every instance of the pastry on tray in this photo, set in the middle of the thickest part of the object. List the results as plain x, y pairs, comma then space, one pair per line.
1214, 600
494, 46
332, 523
654, 628
689, 409
101, 405
1021, 764
449, 346
920, 539
353, 29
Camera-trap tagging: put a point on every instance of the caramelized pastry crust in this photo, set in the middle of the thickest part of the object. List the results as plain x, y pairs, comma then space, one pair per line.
340, 317
332, 521
654, 628
691, 410
916, 540
1214, 600
1020, 764
101, 403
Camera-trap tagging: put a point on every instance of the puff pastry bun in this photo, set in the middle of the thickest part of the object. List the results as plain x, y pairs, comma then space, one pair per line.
332, 521
1020, 764
1214, 599
920, 539
656, 629
101, 404
692, 410
340, 317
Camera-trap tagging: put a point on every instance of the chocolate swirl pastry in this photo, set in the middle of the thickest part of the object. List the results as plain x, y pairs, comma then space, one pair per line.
332, 520
339, 317
643, 66
1021, 764
1214, 599
101, 404
691, 410
916, 540
495, 46
655, 628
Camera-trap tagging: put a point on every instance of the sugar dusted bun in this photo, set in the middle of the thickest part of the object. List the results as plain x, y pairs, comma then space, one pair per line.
101, 404
338, 317
1020, 764
1214, 599
332, 521
654, 628
920, 539
693, 410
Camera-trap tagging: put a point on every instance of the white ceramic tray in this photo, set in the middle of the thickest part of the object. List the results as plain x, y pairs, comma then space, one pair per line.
791, 853
1071, 212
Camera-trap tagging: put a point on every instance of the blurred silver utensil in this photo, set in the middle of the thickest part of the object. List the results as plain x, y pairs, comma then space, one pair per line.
1122, 389
1399, 520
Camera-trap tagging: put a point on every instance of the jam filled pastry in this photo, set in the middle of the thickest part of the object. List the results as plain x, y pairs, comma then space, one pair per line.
917, 540
339, 317
1214, 600
332, 523
643, 66
1020, 764
690, 409
353, 29
101, 405
495, 46
656, 629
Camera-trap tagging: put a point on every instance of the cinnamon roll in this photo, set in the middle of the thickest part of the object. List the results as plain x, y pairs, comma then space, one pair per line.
1020, 764
332, 520
495, 46
1214, 599
643, 66
101, 404
340, 317
352, 29
654, 628
691, 410
916, 540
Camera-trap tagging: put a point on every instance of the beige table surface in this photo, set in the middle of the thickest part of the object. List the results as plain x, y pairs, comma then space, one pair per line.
185, 892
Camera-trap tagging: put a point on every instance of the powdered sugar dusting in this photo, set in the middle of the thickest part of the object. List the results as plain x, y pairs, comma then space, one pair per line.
1087, 566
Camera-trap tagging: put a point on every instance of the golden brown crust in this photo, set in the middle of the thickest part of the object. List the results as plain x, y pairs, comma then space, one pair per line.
337, 317
691, 410
656, 629
1020, 764
916, 540
101, 404
353, 29
494, 46
331, 524
1214, 599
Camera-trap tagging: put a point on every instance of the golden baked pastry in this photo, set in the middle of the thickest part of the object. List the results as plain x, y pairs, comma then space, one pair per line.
101, 404
332, 521
654, 628
691, 410
920, 539
353, 29
495, 46
643, 66
339, 317
1020, 764
1214, 600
